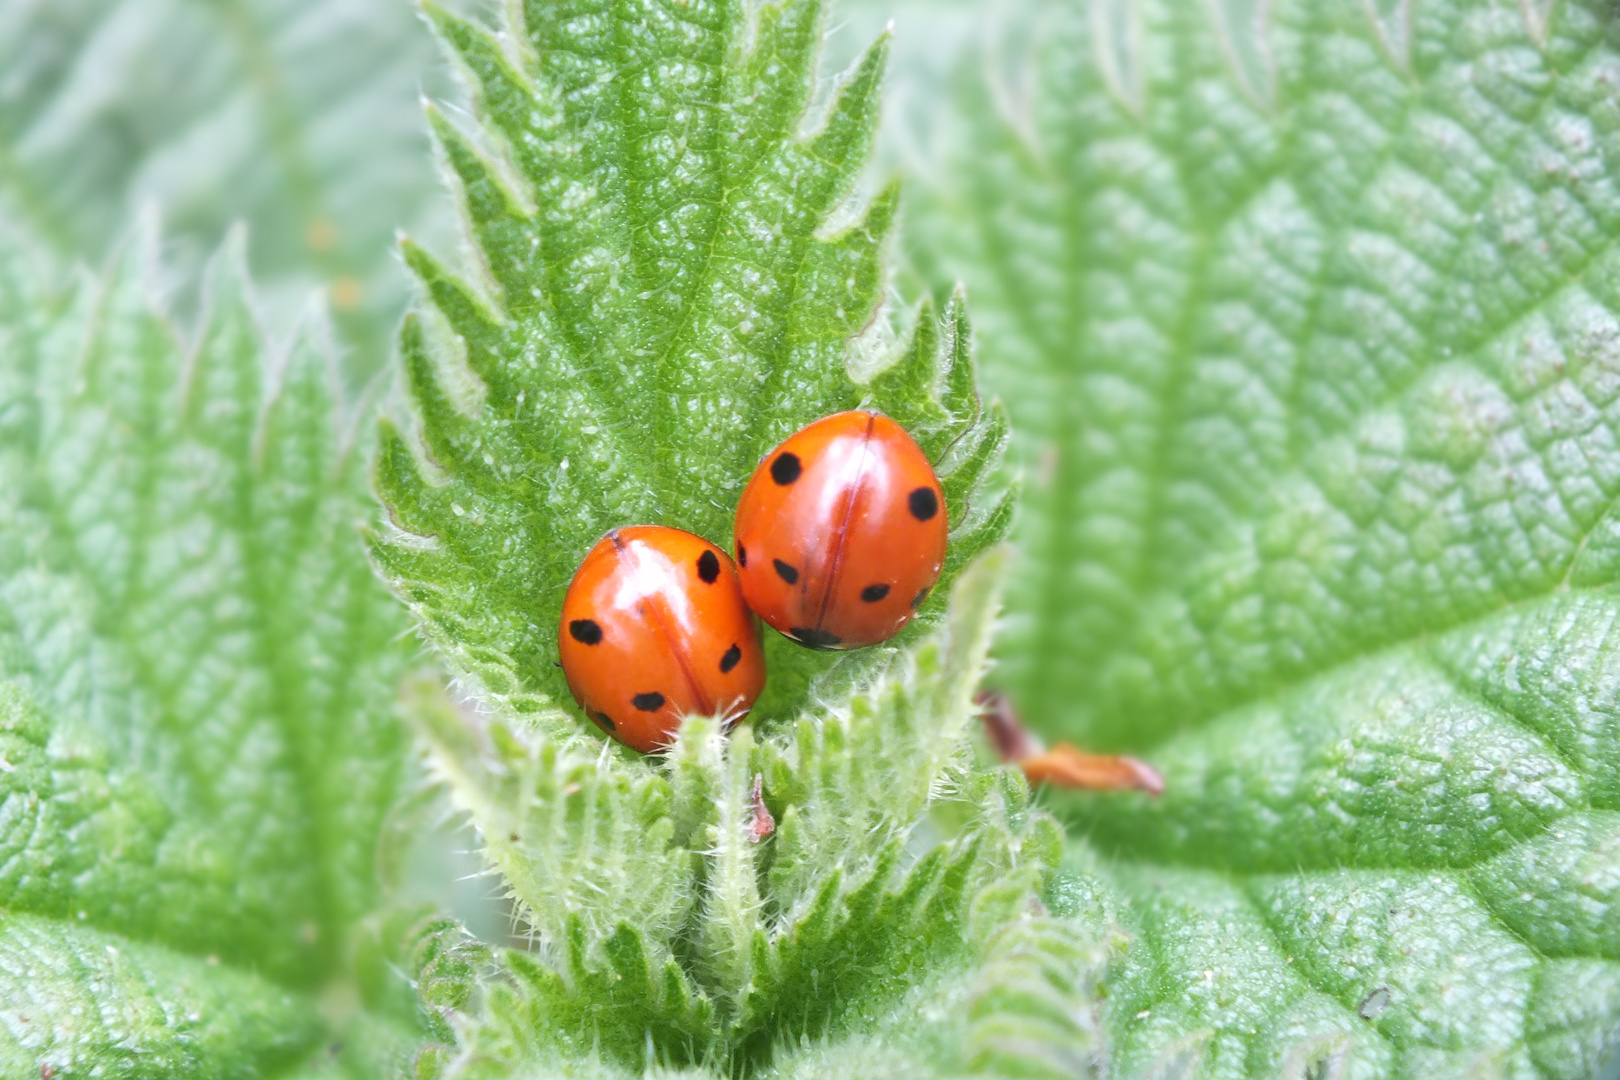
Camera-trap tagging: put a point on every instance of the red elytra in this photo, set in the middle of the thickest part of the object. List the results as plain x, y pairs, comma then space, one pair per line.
840, 533
654, 628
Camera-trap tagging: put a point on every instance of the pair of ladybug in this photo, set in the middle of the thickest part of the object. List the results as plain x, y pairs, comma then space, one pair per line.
840, 535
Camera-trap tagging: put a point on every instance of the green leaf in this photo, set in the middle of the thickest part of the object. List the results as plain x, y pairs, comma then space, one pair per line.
297, 116
1307, 326
1023, 1006
668, 274
77, 999
1034, 1009
197, 669
668, 933
667, 277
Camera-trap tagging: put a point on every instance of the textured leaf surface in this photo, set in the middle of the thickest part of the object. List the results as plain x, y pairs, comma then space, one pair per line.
1025, 1009
663, 930
196, 675
77, 1000
1310, 325
298, 116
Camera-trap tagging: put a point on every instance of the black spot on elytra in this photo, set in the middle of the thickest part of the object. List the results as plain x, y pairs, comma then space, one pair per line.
815, 639
732, 658
651, 701
786, 469
786, 572
923, 502
605, 721
873, 593
585, 631
742, 556
922, 594
708, 567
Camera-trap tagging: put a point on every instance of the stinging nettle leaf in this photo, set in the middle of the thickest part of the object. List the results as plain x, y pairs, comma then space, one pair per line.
197, 740
78, 1000
296, 116
666, 274
1307, 329
668, 277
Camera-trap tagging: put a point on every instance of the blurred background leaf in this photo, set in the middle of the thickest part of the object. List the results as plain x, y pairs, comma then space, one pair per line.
1306, 317
300, 117
198, 673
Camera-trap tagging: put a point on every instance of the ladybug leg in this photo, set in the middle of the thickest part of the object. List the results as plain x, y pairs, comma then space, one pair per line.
1063, 765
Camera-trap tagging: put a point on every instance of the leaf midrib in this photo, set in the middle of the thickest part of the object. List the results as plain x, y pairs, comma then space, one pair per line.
279, 704
718, 69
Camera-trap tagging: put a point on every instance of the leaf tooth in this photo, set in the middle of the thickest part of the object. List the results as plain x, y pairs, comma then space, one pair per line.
501, 223
627, 954
844, 142
961, 374
815, 927
969, 464
907, 389
918, 884
414, 505
469, 317
408, 568
444, 428
531, 971
980, 530
298, 438
225, 380
732, 903
793, 850
863, 902
500, 91
576, 943
842, 278
129, 346
780, 73
301, 462
957, 875
694, 764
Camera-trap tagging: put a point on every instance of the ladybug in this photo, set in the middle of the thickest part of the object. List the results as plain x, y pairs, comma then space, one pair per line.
654, 627
841, 532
